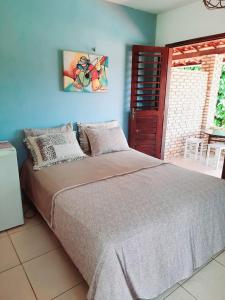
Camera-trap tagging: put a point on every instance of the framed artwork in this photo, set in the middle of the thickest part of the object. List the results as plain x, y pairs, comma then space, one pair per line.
85, 72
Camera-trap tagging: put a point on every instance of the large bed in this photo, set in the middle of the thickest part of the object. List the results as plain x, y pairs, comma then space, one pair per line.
132, 224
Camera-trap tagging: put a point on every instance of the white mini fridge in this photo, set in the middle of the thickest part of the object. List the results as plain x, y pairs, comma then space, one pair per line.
11, 213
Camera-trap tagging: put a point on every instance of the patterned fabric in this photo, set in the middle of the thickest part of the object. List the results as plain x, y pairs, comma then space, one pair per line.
135, 235
106, 140
40, 131
50, 149
83, 139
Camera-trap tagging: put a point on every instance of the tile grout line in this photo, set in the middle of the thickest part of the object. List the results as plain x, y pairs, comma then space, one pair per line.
26, 261
181, 285
196, 272
189, 292
22, 265
23, 262
171, 292
23, 269
7, 236
221, 264
19, 264
29, 282
20, 230
77, 284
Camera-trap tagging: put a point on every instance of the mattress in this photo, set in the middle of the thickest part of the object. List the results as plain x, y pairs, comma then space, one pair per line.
133, 225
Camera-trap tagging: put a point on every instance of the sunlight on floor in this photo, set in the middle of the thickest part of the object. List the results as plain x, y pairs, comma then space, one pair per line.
198, 166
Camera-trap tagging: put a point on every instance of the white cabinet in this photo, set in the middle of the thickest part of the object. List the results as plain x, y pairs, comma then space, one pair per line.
11, 213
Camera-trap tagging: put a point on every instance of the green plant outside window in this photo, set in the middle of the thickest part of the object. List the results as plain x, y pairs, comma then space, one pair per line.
219, 120
193, 68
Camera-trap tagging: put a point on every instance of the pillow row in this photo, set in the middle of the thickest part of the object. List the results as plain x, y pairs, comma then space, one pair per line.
50, 146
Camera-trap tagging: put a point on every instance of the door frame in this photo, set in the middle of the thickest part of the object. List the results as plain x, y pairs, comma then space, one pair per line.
178, 44
223, 172
197, 40
166, 102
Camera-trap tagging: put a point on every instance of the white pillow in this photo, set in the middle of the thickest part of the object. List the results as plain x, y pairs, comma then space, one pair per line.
50, 149
106, 140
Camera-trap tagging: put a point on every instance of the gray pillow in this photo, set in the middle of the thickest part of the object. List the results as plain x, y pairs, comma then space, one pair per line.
106, 140
40, 131
82, 136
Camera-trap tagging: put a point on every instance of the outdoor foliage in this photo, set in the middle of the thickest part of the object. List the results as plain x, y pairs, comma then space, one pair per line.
220, 107
193, 68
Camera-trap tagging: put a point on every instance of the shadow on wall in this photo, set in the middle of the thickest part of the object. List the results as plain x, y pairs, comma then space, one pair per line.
60, 69
127, 88
18, 142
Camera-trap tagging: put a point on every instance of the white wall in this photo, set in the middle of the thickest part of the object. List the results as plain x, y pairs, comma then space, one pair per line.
187, 22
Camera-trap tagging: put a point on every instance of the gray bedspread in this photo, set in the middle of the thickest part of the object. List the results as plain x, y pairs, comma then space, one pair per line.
132, 236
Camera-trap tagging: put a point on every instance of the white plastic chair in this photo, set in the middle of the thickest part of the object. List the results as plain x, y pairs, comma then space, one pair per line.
218, 148
192, 146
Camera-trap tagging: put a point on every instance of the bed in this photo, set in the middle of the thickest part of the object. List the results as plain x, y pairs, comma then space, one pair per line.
132, 224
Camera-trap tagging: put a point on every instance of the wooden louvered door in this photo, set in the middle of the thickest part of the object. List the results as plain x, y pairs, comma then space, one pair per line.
148, 90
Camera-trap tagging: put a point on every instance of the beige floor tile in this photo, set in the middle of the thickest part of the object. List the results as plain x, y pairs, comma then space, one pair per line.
167, 292
34, 242
209, 283
52, 274
79, 292
196, 165
195, 272
28, 223
8, 257
180, 294
15, 286
3, 234
221, 258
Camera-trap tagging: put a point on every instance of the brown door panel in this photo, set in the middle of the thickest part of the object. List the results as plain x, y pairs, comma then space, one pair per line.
148, 90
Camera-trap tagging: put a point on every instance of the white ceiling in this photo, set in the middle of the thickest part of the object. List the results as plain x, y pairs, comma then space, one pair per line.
153, 6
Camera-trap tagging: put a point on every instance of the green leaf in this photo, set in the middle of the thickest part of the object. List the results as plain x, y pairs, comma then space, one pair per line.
220, 107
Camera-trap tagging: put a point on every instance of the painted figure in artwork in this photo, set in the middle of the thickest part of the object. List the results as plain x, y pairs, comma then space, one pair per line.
88, 72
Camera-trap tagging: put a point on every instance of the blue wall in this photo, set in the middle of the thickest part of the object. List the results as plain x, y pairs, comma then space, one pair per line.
33, 34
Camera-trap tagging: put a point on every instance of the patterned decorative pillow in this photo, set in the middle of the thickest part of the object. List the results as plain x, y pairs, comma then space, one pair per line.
106, 140
83, 139
40, 131
50, 149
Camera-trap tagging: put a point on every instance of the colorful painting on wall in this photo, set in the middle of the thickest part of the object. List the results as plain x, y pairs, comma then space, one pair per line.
85, 72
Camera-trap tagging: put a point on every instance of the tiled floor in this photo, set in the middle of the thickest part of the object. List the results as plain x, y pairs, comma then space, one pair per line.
33, 265
198, 166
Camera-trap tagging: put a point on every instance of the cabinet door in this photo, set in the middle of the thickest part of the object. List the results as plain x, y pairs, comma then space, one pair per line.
10, 198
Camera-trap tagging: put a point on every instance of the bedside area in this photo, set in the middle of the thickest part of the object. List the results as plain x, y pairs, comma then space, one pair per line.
11, 213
